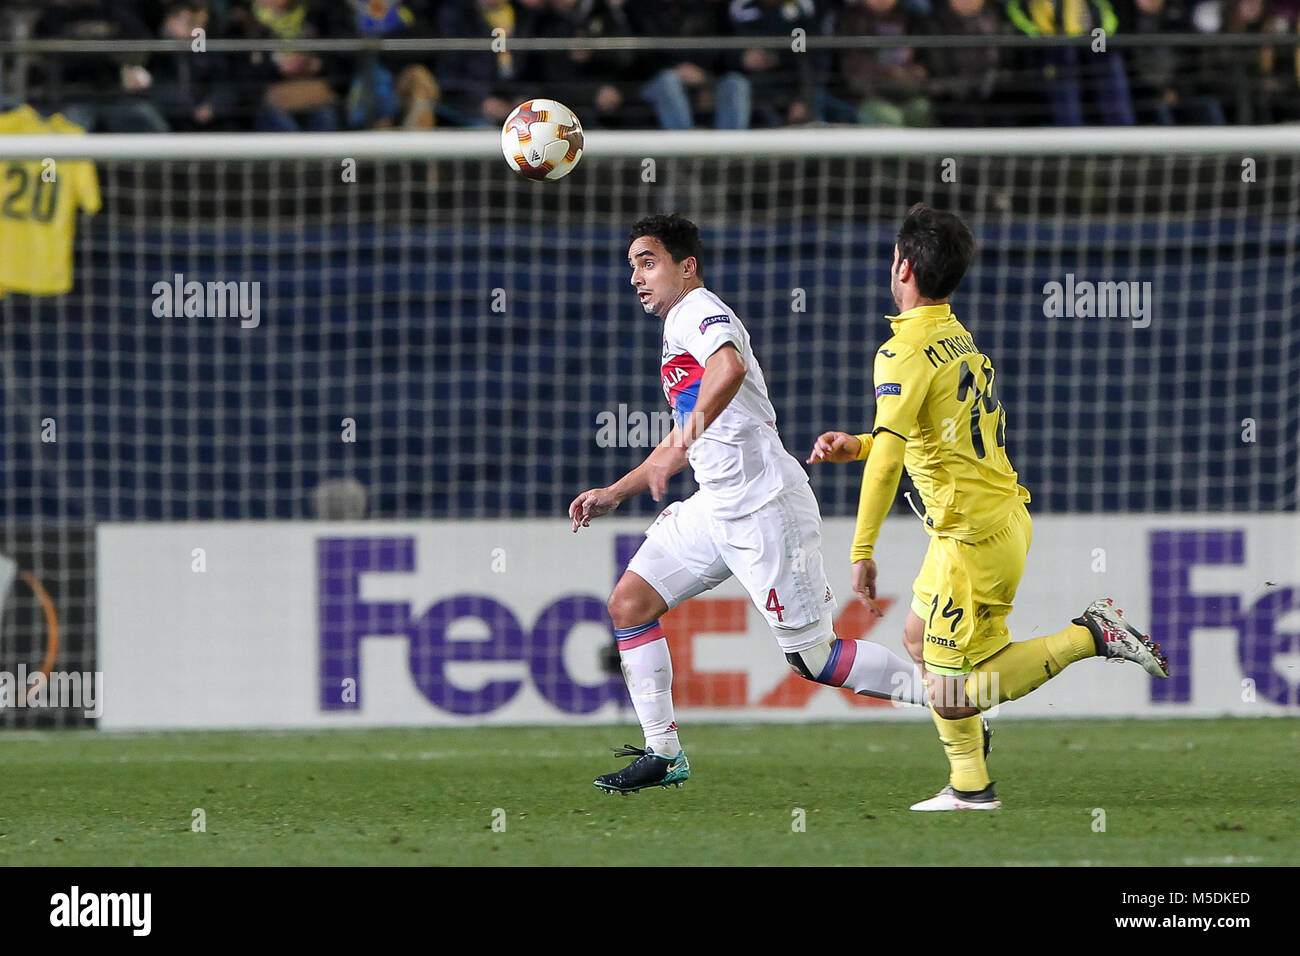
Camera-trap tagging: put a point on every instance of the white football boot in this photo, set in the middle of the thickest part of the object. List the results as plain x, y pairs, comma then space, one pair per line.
1119, 640
950, 799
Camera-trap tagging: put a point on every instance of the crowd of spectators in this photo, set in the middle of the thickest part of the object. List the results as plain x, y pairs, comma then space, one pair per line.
981, 85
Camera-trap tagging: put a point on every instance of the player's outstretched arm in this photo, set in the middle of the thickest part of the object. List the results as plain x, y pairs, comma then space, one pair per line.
879, 485
668, 458
724, 373
839, 447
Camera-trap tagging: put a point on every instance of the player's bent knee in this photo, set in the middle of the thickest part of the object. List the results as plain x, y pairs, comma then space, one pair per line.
626, 611
633, 604
798, 666
816, 663
808, 661
622, 608
948, 696
955, 713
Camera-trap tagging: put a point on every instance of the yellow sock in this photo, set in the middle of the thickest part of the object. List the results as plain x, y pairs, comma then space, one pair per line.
1019, 667
963, 742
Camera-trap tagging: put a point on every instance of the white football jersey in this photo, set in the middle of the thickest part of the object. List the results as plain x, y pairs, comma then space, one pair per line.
739, 461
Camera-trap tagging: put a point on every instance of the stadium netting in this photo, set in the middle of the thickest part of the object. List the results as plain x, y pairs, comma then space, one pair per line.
472, 326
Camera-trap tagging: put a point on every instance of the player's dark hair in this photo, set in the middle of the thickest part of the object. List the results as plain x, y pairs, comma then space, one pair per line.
680, 236
939, 247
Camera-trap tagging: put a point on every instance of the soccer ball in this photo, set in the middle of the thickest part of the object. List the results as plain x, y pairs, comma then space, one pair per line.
542, 140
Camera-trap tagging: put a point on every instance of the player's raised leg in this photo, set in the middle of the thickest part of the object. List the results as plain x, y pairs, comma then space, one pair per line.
1005, 670
1023, 666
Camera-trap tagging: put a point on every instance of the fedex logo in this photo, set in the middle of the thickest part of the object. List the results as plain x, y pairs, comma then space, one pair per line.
345, 618
1176, 610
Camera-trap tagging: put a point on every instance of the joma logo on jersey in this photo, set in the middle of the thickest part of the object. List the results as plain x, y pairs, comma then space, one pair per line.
941, 641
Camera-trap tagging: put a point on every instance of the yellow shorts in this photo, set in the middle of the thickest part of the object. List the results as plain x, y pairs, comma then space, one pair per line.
964, 593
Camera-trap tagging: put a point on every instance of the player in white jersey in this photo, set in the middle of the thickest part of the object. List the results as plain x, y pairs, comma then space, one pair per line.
753, 517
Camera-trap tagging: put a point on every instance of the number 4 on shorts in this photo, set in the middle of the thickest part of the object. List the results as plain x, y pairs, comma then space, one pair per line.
773, 604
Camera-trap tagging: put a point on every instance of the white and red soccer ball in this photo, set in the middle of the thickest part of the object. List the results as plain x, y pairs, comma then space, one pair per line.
542, 140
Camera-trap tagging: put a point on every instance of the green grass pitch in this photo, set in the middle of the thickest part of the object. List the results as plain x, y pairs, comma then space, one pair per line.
1174, 792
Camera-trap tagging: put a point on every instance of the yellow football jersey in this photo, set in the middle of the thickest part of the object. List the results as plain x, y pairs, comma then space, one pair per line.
938, 392
39, 200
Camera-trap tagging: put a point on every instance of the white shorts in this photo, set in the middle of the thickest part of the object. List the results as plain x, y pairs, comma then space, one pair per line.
776, 553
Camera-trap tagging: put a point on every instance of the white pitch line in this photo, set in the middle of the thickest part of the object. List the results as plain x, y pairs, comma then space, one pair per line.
1220, 860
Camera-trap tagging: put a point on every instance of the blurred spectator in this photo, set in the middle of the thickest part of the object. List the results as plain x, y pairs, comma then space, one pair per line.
1260, 84
193, 92
965, 81
1164, 80
481, 87
16, 21
388, 87
1279, 67
97, 91
773, 87
671, 77
595, 84
888, 84
1286, 19
291, 89
978, 85
1075, 72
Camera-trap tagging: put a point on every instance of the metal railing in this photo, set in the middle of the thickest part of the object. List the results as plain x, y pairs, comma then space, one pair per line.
811, 41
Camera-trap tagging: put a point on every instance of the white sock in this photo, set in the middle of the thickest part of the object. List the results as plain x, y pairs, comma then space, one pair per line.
648, 671
867, 668
879, 672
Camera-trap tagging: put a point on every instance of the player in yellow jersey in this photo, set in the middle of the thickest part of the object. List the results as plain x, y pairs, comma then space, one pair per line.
938, 415
38, 209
